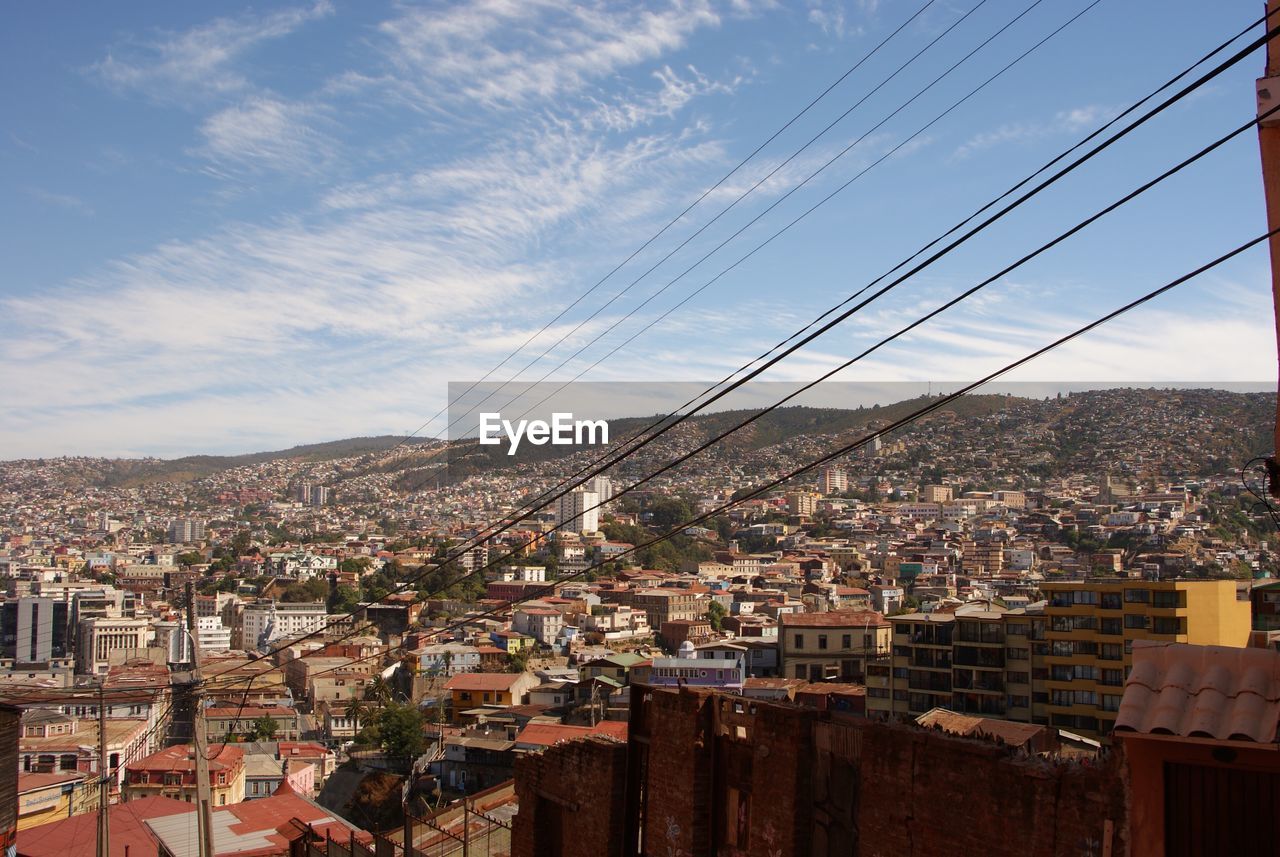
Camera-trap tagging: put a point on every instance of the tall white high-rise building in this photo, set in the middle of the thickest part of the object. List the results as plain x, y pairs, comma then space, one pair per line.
833, 480
268, 621
601, 485
185, 530
577, 511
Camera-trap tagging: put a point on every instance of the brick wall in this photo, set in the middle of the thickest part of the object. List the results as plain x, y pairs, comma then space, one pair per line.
922, 792
571, 800
733, 777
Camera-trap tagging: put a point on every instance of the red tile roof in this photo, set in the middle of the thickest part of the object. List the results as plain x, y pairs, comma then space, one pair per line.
547, 734
1011, 733
75, 836
180, 758
1202, 691
30, 782
482, 681
834, 619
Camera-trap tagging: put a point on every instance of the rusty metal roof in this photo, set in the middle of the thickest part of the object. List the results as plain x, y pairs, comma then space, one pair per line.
1202, 691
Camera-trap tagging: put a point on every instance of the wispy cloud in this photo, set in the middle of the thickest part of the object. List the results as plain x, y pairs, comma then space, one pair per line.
486, 54
172, 67
1070, 121
65, 201
264, 132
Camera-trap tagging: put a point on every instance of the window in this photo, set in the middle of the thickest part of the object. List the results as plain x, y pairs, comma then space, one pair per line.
846, 641
822, 641
67, 762
222, 800
1112, 678
1111, 626
1111, 601
1166, 625
1111, 652
1137, 596
1019, 678
1018, 628
878, 692
1166, 599
799, 638
1135, 620
1018, 654
900, 672
1110, 702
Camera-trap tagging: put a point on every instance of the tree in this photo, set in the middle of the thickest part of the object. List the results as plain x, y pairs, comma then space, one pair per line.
399, 730
189, 558
345, 600
263, 729
241, 542
715, 615
359, 710
355, 564
312, 590
379, 691
518, 662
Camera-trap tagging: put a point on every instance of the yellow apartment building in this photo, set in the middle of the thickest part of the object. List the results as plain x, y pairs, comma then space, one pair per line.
1092, 626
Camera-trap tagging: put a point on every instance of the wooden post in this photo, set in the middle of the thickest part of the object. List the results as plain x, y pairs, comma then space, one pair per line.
199, 739
104, 784
1268, 92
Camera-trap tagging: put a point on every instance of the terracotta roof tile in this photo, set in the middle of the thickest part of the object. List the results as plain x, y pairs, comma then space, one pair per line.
1202, 691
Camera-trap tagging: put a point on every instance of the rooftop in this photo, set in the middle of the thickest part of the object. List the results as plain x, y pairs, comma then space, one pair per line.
75, 836
834, 619
1202, 691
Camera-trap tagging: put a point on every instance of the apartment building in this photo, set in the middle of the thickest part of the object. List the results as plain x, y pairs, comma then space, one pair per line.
802, 503
979, 659
836, 644
172, 773
579, 511
982, 558
935, 493
663, 605
102, 637
1092, 626
833, 480
265, 622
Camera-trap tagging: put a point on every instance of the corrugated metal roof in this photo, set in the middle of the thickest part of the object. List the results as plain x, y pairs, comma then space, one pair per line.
1202, 691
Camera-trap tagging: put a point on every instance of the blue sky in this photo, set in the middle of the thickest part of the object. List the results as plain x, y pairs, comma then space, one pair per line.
228, 228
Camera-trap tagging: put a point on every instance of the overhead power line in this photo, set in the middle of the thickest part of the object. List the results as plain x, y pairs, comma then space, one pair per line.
846, 449
408, 583
781, 199
742, 163
1203, 152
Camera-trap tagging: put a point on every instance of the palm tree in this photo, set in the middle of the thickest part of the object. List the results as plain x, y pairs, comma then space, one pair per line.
379, 691
359, 710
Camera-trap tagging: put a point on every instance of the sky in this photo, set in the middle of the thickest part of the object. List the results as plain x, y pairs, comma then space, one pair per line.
227, 228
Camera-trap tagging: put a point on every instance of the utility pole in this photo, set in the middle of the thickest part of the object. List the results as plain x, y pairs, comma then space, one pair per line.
199, 738
1268, 89
104, 784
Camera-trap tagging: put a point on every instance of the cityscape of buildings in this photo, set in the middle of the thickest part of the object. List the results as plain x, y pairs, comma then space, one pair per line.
826, 607
893, 586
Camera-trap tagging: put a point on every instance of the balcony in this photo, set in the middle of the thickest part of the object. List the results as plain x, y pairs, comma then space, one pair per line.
968, 656
977, 681
935, 682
